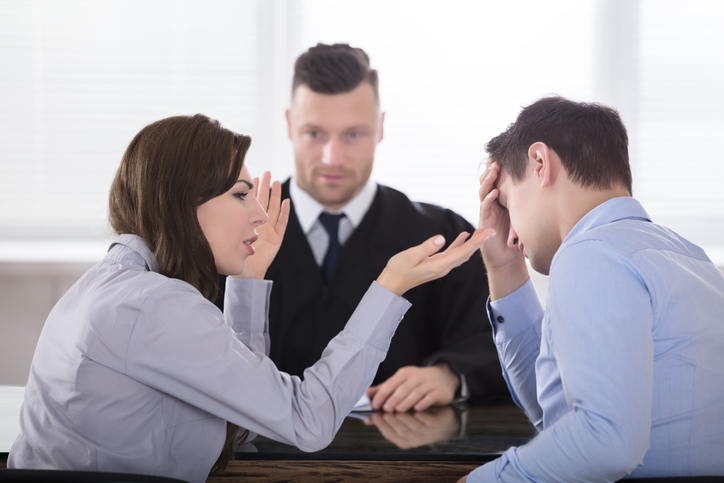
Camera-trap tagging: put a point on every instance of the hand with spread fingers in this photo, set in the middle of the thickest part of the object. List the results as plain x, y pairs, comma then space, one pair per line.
270, 234
422, 263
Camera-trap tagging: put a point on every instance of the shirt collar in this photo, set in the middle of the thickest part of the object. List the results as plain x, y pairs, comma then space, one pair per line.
308, 209
615, 209
138, 245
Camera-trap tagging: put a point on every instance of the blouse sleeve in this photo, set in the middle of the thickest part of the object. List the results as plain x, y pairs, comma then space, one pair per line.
181, 345
246, 310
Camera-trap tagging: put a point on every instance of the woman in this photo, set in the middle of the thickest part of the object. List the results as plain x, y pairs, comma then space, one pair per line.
136, 370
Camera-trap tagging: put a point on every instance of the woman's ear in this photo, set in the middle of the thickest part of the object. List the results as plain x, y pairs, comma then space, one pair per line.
545, 163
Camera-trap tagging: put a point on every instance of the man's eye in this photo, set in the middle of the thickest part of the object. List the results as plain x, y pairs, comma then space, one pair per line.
354, 135
314, 134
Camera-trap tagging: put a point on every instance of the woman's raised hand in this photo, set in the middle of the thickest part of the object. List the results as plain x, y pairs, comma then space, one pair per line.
422, 263
271, 233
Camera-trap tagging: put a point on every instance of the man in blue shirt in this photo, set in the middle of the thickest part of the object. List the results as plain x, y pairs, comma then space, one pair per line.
623, 372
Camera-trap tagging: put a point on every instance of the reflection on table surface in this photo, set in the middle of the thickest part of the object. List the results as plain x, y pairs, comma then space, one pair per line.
451, 433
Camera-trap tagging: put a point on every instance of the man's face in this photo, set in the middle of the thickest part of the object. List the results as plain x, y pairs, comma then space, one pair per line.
334, 138
531, 229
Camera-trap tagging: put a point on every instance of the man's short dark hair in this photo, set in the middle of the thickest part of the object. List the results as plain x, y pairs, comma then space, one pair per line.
334, 69
589, 138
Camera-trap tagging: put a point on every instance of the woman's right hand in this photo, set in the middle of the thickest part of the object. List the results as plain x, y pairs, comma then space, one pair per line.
422, 263
271, 233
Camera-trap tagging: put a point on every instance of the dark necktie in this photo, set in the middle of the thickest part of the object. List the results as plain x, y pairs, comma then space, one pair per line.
330, 223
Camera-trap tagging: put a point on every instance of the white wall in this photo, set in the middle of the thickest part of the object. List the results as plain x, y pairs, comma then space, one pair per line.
28, 291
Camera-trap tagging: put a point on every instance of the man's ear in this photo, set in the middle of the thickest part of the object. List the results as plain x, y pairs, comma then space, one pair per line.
381, 130
289, 123
545, 163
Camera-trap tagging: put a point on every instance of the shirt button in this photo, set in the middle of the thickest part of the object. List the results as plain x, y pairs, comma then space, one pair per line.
500, 319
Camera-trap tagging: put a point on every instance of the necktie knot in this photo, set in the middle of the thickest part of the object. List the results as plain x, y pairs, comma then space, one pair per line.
330, 223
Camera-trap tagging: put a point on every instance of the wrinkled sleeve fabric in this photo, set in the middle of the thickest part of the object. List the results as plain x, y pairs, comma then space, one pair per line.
599, 327
182, 345
516, 320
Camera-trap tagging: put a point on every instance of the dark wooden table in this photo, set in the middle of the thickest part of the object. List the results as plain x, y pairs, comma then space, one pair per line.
437, 445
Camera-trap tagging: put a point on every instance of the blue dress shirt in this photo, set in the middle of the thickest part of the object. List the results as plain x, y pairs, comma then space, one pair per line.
623, 373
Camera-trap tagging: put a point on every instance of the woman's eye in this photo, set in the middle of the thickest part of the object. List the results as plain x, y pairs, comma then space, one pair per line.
241, 196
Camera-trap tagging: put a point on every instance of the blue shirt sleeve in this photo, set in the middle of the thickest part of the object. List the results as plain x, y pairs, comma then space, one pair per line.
516, 321
597, 398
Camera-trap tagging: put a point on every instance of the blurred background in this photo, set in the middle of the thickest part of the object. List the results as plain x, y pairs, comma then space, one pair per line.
78, 79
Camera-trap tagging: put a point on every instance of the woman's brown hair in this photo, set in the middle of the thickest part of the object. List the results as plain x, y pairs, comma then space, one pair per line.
170, 168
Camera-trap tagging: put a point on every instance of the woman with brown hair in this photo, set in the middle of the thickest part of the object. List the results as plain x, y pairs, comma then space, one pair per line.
136, 370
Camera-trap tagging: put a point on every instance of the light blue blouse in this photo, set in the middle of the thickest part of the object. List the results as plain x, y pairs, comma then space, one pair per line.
624, 371
137, 372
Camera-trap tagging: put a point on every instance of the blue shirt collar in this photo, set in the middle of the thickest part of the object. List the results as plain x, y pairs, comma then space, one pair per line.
615, 209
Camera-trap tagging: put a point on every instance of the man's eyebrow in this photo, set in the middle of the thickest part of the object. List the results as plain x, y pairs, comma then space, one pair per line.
248, 183
360, 127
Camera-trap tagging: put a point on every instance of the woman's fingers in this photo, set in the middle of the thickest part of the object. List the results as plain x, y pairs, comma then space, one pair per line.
281, 225
417, 265
274, 201
262, 194
256, 187
454, 256
459, 241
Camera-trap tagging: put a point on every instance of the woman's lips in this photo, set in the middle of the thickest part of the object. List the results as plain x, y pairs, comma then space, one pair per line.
247, 244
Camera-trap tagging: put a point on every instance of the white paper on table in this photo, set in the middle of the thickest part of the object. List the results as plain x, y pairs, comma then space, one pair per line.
363, 405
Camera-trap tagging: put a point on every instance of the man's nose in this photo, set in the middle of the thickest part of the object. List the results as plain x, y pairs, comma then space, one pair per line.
512, 237
332, 152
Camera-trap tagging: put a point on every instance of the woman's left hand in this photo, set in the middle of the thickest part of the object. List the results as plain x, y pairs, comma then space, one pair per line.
271, 233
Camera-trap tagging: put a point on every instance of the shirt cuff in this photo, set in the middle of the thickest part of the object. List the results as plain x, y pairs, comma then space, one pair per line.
377, 316
513, 314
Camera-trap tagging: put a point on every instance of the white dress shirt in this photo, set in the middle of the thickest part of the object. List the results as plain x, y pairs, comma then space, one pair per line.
308, 210
137, 372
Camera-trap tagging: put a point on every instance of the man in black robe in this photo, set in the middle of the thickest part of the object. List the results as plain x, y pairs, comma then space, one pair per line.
443, 349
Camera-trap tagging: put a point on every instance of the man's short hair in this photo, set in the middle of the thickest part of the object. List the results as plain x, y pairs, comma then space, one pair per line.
334, 69
590, 139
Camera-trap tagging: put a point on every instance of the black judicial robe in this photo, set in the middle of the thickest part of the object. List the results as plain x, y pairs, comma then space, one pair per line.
447, 321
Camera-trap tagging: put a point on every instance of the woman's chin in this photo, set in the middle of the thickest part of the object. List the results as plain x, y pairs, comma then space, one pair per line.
236, 270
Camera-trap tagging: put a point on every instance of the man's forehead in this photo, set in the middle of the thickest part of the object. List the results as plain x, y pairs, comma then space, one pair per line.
360, 99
